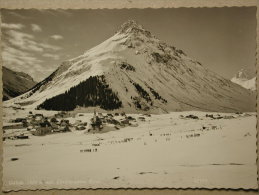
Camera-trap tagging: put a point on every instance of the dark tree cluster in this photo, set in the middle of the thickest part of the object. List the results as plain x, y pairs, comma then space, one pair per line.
136, 102
156, 95
92, 92
142, 92
138, 105
127, 66
160, 58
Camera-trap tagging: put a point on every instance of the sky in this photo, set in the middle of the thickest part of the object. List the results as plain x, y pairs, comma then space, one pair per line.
38, 41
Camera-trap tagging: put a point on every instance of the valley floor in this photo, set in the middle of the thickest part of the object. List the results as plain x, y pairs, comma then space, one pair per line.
166, 150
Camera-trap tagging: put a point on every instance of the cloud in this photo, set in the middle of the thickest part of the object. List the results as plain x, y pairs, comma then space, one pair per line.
35, 28
21, 61
23, 52
15, 58
27, 42
56, 37
48, 46
12, 26
23, 41
53, 56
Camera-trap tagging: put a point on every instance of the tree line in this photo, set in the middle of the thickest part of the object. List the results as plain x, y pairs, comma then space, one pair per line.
90, 93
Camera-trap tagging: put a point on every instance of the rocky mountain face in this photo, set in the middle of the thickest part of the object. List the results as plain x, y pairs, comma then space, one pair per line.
242, 79
15, 83
133, 71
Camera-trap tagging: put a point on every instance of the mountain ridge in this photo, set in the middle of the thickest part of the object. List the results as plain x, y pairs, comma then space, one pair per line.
15, 83
145, 73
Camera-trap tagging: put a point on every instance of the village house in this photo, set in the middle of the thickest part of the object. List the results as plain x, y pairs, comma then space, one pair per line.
29, 118
125, 122
131, 118
64, 126
141, 118
96, 122
63, 129
80, 127
43, 129
38, 117
18, 120
54, 126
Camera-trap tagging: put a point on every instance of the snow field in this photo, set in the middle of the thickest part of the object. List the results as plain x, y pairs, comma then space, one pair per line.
166, 150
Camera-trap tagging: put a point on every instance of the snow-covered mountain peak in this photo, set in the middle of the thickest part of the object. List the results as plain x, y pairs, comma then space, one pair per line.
134, 71
130, 25
242, 74
242, 79
133, 28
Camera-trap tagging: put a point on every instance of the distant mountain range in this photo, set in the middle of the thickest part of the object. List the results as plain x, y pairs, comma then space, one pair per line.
15, 83
133, 71
242, 79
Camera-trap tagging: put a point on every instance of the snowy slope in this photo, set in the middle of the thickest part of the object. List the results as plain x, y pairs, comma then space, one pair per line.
242, 79
146, 74
248, 84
